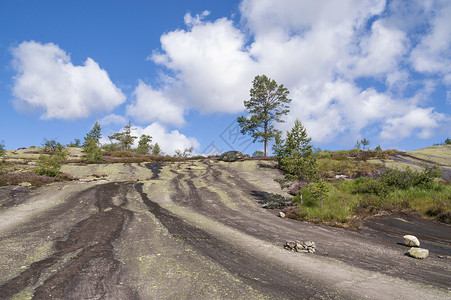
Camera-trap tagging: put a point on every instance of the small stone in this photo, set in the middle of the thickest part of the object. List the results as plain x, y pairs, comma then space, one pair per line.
299, 245
419, 253
308, 244
24, 184
282, 214
411, 240
290, 245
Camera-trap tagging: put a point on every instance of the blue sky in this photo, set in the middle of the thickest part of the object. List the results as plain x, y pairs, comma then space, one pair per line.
180, 70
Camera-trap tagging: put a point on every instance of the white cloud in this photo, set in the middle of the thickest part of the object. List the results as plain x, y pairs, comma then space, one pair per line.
47, 80
113, 119
154, 105
212, 68
169, 141
321, 51
433, 53
418, 121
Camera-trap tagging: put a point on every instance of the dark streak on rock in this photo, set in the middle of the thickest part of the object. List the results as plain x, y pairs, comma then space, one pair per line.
263, 276
94, 272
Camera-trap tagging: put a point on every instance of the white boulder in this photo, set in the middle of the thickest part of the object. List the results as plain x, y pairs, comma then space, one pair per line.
411, 240
419, 253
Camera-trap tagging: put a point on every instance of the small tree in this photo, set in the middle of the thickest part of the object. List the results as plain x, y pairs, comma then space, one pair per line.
50, 165
186, 153
258, 153
52, 146
295, 157
144, 144
91, 147
76, 143
156, 150
320, 190
124, 138
448, 141
358, 145
268, 103
365, 143
95, 134
2, 148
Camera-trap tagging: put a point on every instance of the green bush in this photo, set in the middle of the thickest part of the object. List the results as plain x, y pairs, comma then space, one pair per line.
92, 152
404, 179
2, 148
111, 147
258, 153
50, 165
368, 185
52, 146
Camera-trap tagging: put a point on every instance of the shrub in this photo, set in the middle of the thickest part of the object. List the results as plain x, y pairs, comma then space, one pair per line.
92, 152
269, 200
50, 165
258, 153
52, 146
2, 148
292, 212
111, 147
34, 179
404, 179
367, 185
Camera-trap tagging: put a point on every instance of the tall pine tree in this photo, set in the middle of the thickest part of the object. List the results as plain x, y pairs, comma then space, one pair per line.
268, 103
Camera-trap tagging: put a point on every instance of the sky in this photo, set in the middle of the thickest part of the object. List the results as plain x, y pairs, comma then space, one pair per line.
180, 70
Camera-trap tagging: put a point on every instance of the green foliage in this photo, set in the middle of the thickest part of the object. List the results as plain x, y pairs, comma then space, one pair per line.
49, 165
404, 179
92, 151
110, 147
378, 148
448, 141
365, 143
186, 153
295, 156
267, 105
124, 138
2, 148
76, 143
91, 148
367, 185
320, 190
52, 146
144, 145
93, 135
156, 150
358, 145
258, 153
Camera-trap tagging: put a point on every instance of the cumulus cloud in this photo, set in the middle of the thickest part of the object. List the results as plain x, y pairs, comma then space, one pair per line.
348, 64
169, 141
420, 121
433, 53
113, 120
212, 69
47, 80
154, 105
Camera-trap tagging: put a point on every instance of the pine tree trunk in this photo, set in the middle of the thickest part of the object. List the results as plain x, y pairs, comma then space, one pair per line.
266, 148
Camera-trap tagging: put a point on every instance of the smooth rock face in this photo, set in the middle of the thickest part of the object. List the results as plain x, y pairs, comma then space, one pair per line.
411, 240
419, 253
